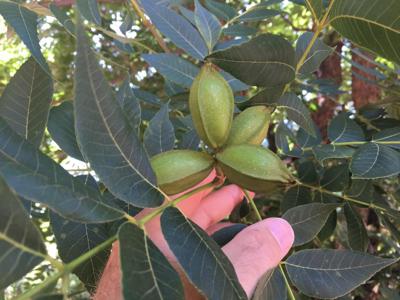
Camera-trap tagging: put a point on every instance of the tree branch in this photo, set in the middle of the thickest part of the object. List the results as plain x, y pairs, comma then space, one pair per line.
149, 26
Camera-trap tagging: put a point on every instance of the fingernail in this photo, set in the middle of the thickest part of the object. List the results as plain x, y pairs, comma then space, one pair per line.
282, 232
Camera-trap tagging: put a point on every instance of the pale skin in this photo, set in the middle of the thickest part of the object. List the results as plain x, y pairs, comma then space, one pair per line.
254, 251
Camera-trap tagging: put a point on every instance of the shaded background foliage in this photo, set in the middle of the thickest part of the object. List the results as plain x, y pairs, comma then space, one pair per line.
356, 88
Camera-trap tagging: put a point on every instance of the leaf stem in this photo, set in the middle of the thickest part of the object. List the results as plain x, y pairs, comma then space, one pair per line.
356, 143
68, 268
65, 286
150, 26
174, 202
289, 288
344, 197
320, 26
252, 204
54, 262
124, 40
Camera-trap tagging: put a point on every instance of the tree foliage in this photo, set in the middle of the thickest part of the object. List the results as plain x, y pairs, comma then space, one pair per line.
108, 83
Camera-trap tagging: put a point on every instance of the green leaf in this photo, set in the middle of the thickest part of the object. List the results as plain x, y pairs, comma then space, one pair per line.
266, 96
188, 14
324, 197
159, 135
297, 112
335, 178
266, 60
75, 239
366, 193
200, 256
38, 178
318, 53
207, 24
173, 68
343, 129
329, 227
327, 151
326, 273
89, 10
130, 104
21, 244
63, 18
229, 43
361, 190
295, 196
307, 220
145, 270
176, 28
146, 97
387, 136
305, 140
373, 161
183, 72
61, 127
190, 140
307, 171
127, 24
388, 223
24, 23
258, 12
271, 286
221, 10
239, 30
224, 235
105, 137
25, 102
356, 233
316, 7
372, 24
286, 141
173, 89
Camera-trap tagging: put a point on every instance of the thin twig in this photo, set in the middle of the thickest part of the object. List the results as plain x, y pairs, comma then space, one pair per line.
320, 27
342, 196
68, 268
252, 204
174, 202
356, 143
289, 288
149, 26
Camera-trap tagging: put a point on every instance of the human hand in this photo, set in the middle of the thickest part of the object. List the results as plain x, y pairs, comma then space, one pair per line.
252, 252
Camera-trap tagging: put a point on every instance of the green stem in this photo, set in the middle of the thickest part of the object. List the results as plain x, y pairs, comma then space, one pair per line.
344, 197
320, 27
37, 289
149, 26
289, 288
68, 268
252, 204
174, 202
356, 143
65, 285
54, 262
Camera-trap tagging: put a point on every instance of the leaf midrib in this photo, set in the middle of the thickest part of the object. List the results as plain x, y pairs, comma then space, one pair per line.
102, 117
365, 20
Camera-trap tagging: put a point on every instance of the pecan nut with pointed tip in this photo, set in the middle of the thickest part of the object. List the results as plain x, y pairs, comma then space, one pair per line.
250, 126
211, 106
254, 168
178, 170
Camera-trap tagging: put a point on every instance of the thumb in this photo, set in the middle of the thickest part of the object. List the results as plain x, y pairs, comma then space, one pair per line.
259, 248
